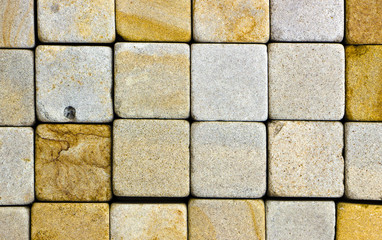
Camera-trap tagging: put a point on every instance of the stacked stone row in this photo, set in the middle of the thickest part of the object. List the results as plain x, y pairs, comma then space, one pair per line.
232, 119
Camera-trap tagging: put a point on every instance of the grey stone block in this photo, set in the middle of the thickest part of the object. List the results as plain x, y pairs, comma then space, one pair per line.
14, 223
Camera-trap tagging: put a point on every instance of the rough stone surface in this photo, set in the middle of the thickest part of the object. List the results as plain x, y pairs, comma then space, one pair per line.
229, 82
71, 221
364, 83
73, 162
78, 77
16, 88
16, 166
307, 21
300, 220
151, 158
82, 21
152, 80
359, 221
155, 20
148, 221
363, 21
14, 223
228, 159
17, 24
226, 219
306, 81
363, 165
305, 159
231, 20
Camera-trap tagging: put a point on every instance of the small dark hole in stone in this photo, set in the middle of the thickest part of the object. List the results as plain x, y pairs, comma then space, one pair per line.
70, 112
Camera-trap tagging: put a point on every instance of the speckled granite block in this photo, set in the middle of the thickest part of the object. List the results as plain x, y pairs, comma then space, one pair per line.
17, 106
16, 166
73, 84
155, 20
148, 221
229, 82
363, 165
359, 221
300, 220
363, 21
152, 80
228, 159
71, 221
73, 162
79, 21
307, 21
17, 24
364, 83
231, 20
14, 223
305, 159
226, 219
306, 81
151, 158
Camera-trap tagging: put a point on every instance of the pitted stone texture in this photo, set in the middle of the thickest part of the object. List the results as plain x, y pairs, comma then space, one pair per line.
363, 21
17, 24
228, 159
359, 221
71, 221
300, 220
148, 221
226, 219
364, 83
14, 223
306, 81
16, 166
305, 159
307, 21
229, 82
73, 162
79, 21
151, 158
231, 20
74, 77
155, 20
17, 88
152, 80
363, 165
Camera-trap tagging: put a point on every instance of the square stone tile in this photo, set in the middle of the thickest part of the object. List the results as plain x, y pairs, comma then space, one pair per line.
228, 159
16, 166
14, 223
364, 83
80, 221
305, 159
155, 20
359, 221
17, 24
151, 158
148, 221
73, 162
363, 165
231, 20
229, 82
74, 84
300, 220
307, 21
306, 81
17, 88
80, 21
226, 219
363, 21
152, 80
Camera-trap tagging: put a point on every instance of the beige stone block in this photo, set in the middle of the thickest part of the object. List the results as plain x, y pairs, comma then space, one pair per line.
73, 162
14, 223
151, 158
